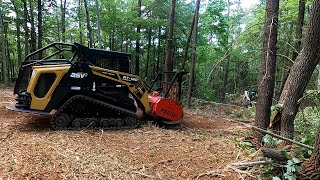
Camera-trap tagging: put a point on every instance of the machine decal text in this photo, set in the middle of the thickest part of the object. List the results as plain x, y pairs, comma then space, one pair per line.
79, 75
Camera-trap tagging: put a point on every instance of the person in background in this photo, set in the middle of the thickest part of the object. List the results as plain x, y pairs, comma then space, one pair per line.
249, 97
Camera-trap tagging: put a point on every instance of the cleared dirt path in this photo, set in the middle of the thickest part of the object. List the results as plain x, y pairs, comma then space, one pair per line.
30, 149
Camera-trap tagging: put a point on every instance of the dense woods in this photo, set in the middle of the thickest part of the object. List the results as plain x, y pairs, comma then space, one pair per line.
271, 47
155, 33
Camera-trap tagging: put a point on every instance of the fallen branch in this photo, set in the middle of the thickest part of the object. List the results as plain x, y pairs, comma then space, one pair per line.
274, 154
277, 136
241, 172
210, 173
249, 164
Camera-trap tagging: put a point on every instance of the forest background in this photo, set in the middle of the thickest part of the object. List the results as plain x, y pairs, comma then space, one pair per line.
230, 43
228, 48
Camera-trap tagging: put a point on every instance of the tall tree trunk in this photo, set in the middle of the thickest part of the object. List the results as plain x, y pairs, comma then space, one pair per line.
168, 63
310, 169
5, 72
121, 42
19, 42
193, 57
25, 27
33, 40
148, 52
40, 27
98, 24
58, 21
10, 63
301, 72
268, 66
79, 16
18, 24
159, 50
63, 19
110, 39
154, 57
127, 43
297, 45
318, 77
88, 23
299, 26
186, 49
137, 66
113, 41
227, 62
226, 75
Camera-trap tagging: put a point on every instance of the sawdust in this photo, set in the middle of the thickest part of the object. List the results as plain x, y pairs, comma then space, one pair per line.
30, 149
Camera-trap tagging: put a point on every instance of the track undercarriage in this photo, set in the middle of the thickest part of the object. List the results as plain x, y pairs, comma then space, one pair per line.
81, 111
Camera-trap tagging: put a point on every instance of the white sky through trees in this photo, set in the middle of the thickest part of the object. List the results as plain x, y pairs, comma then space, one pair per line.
248, 3
244, 3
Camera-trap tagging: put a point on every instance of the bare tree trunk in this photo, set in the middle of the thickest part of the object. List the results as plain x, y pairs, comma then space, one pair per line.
301, 72
88, 23
40, 27
227, 63
18, 24
26, 29
113, 40
305, 63
137, 66
5, 72
193, 57
159, 50
168, 64
98, 24
33, 40
310, 169
299, 26
318, 77
154, 57
268, 66
127, 43
186, 49
148, 51
121, 42
10, 63
63, 19
110, 39
297, 46
79, 16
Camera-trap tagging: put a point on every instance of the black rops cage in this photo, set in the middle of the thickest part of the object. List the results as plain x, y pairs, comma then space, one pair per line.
63, 53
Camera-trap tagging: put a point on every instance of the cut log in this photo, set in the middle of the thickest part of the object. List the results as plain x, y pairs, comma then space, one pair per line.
275, 155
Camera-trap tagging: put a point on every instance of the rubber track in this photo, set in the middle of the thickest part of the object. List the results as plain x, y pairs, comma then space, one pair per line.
98, 102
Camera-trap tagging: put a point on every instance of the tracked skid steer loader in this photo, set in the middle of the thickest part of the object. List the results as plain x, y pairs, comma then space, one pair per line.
81, 87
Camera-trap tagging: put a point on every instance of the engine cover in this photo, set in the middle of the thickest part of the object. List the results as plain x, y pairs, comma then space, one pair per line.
169, 109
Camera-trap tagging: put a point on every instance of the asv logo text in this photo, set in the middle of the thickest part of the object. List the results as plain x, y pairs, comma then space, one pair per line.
127, 78
79, 75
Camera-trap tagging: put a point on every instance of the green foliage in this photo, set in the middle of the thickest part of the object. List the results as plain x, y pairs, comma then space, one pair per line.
223, 37
270, 140
291, 169
307, 123
245, 146
277, 107
251, 112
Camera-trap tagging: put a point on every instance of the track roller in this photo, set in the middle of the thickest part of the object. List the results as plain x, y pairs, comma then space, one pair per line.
119, 122
60, 120
76, 123
132, 121
104, 123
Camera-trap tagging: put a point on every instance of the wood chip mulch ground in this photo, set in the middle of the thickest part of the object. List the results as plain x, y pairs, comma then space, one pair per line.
201, 148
